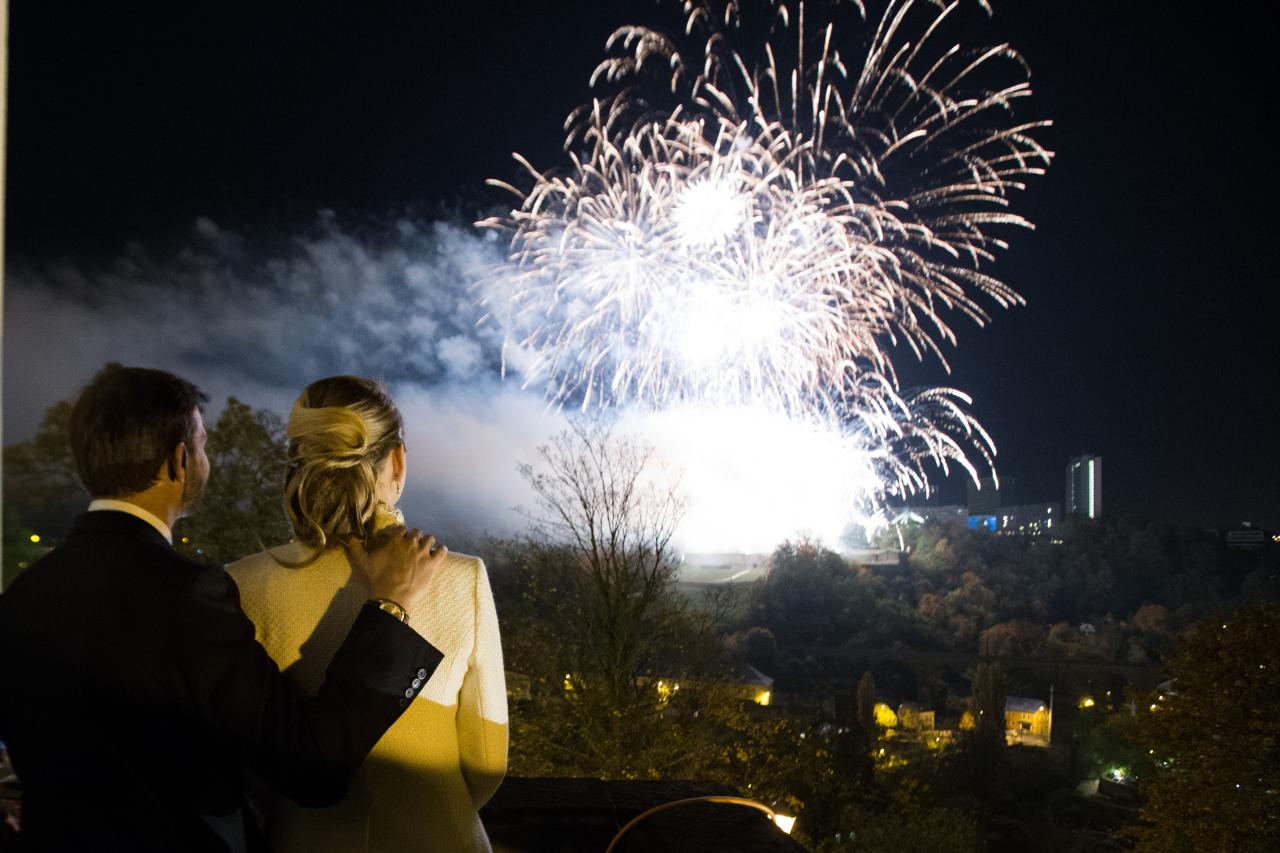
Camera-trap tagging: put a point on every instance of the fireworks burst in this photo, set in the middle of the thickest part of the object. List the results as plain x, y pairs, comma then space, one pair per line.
758, 227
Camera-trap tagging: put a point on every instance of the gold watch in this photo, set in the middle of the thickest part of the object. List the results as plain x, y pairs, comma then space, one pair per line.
388, 606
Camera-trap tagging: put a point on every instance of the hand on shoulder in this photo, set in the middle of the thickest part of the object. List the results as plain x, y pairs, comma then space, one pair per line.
398, 565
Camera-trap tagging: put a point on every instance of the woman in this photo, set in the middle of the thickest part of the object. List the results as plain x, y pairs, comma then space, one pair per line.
421, 787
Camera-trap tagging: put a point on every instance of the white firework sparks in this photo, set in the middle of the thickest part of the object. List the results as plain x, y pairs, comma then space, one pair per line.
708, 212
765, 237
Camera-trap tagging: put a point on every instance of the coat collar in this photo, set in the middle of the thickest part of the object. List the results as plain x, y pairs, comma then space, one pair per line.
113, 522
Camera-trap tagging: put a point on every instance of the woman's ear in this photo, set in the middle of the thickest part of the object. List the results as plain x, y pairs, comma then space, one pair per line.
399, 465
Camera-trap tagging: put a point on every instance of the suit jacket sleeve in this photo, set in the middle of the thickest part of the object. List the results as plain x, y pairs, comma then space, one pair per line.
482, 702
307, 747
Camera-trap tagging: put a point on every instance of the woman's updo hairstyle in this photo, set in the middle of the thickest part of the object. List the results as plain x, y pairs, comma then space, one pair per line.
341, 431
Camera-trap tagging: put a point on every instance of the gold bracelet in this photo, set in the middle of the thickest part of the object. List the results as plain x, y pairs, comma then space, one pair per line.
386, 605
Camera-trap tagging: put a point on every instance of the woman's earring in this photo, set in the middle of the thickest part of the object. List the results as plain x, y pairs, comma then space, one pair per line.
397, 516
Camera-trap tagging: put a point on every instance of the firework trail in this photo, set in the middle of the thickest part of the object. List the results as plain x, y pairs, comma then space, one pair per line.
760, 225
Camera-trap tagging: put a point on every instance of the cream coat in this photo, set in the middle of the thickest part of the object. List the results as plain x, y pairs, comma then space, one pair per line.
421, 787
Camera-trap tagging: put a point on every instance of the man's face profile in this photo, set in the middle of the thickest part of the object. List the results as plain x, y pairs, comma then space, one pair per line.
197, 467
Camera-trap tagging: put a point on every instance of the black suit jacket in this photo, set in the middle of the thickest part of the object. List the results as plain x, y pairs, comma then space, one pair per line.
133, 696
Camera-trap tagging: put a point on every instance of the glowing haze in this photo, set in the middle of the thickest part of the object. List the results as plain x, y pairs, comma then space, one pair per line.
254, 316
747, 221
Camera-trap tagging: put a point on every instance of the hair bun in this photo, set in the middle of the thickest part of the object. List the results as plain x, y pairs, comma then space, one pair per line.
334, 434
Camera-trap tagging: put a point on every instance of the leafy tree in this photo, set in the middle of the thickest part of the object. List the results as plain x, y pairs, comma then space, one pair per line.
40, 474
1152, 617
812, 595
988, 706
1017, 638
760, 649
1110, 739
837, 784
242, 509
866, 702
920, 830
977, 770
1216, 740
41, 491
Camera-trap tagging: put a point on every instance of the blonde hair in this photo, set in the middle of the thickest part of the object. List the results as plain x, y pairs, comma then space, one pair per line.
341, 431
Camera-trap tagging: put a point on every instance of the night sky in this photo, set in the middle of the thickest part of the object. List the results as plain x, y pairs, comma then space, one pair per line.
1149, 337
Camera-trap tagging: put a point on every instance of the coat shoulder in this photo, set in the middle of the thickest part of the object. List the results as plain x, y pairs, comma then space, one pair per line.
464, 562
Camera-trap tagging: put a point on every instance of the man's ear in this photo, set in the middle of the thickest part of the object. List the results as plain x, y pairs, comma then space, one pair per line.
178, 461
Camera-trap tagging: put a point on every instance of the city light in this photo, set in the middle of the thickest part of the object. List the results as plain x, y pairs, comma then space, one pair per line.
784, 822
885, 717
35, 537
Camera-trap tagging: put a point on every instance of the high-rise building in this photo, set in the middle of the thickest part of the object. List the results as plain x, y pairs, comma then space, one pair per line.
1084, 486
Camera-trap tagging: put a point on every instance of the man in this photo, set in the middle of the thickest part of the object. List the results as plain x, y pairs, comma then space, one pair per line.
136, 696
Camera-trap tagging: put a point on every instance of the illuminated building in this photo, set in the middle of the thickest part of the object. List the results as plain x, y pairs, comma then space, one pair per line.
1028, 519
921, 514
996, 510
1027, 720
914, 718
990, 523
1023, 520
1084, 486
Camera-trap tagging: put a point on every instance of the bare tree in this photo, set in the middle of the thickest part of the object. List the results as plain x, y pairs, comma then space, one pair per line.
629, 668
603, 497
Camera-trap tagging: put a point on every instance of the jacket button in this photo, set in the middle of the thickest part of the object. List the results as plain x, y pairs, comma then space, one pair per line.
417, 682
404, 703
408, 694
422, 673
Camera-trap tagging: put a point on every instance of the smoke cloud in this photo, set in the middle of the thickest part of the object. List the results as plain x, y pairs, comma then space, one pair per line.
258, 316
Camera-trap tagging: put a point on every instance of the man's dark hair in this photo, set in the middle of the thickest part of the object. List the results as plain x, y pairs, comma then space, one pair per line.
126, 423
